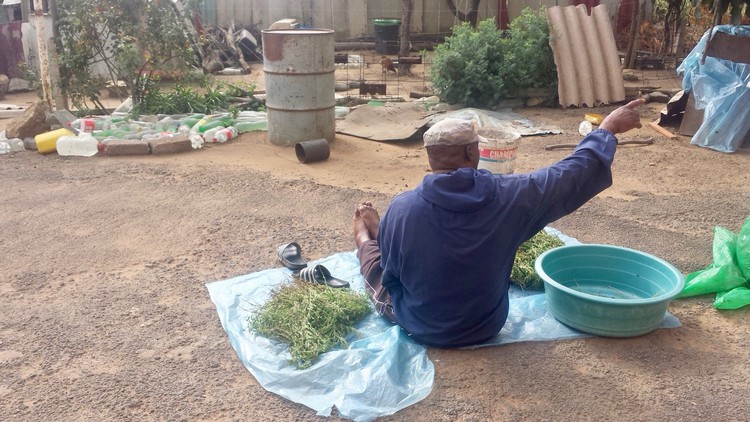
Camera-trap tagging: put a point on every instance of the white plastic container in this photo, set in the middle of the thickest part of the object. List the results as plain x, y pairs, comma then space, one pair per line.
81, 146
585, 128
498, 155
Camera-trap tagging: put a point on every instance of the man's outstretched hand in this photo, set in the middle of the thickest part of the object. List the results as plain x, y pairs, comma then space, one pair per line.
624, 118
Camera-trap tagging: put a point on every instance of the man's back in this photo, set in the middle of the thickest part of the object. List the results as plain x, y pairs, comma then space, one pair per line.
447, 284
448, 246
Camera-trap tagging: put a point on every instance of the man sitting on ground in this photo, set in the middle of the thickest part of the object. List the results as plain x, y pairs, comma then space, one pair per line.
438, 263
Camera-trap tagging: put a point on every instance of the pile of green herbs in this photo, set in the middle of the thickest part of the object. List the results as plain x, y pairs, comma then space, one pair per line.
523, 273
310, 318
479, 67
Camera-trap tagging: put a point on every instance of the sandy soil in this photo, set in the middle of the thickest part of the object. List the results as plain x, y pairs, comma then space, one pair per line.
105, 314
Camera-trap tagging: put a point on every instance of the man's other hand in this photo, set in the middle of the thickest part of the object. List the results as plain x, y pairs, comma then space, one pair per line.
624, 118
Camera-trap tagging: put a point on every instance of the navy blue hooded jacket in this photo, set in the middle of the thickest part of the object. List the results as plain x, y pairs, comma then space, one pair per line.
448, 246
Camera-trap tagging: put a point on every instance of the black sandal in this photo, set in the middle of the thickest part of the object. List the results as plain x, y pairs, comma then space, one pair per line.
320, 274
290, 255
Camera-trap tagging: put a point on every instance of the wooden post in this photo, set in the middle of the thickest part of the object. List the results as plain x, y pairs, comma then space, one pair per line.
41, 40
634, 30
405, 40
55, 45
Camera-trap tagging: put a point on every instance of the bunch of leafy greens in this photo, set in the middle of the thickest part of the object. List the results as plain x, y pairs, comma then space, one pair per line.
478, 67
199, 94
310, 318
523, 273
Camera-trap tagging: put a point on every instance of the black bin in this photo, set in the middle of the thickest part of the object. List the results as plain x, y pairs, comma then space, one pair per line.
386, 35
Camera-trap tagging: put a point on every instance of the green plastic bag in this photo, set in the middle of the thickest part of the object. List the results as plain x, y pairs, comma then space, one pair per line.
712, 280
743, 249
733, 299
723, 274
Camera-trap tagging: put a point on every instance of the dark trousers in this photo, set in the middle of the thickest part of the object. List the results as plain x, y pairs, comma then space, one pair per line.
369, 265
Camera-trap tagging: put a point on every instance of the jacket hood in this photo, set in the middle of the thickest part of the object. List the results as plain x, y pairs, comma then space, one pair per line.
464, 190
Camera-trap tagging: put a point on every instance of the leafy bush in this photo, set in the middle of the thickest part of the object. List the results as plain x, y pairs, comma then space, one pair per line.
529, 59
479, 67
466, 69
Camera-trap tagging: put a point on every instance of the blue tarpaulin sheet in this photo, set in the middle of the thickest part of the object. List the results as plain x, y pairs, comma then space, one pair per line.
722, 89
382, 370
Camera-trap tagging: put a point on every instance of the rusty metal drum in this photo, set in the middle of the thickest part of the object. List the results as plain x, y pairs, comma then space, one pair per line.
298, 67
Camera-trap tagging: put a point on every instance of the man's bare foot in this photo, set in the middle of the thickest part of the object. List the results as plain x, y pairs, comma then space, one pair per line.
365, 224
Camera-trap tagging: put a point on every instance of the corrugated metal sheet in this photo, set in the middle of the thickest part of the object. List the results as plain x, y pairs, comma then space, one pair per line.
588, 66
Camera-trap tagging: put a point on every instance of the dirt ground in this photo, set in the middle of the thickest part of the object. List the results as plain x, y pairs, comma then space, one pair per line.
105, 316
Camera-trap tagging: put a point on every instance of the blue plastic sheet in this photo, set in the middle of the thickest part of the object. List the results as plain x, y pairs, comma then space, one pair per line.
722, 89
382, 370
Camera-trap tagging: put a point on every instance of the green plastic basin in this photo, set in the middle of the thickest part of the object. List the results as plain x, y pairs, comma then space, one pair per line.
608, 290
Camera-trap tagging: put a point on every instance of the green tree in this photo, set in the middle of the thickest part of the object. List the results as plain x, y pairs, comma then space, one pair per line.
134, 41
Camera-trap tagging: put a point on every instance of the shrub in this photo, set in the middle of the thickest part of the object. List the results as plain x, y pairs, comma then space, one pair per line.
478, 67
529, 57
466, 68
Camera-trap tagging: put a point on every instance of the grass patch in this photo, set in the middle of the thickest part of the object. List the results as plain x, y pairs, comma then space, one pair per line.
310, 318
523, 273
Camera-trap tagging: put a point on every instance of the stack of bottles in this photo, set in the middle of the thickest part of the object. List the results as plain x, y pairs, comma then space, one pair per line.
10, 145
85, 136
199, 128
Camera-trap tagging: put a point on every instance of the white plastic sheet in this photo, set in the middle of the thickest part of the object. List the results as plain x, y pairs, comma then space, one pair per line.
502, 119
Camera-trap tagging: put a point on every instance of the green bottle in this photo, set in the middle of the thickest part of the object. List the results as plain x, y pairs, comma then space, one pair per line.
211, 124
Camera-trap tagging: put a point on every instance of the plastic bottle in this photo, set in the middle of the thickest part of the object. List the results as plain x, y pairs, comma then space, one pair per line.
208, 135
82, 146
166, 124
243, 126
16, 145
82, 125
585, 128
183, 128
196, 140
225, 134
46, 142
30, 143
11, 145
89, 124
211, 124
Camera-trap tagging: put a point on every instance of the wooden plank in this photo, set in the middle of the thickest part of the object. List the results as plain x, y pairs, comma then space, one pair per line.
655, 126
365, 88
648, 141
729, 47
